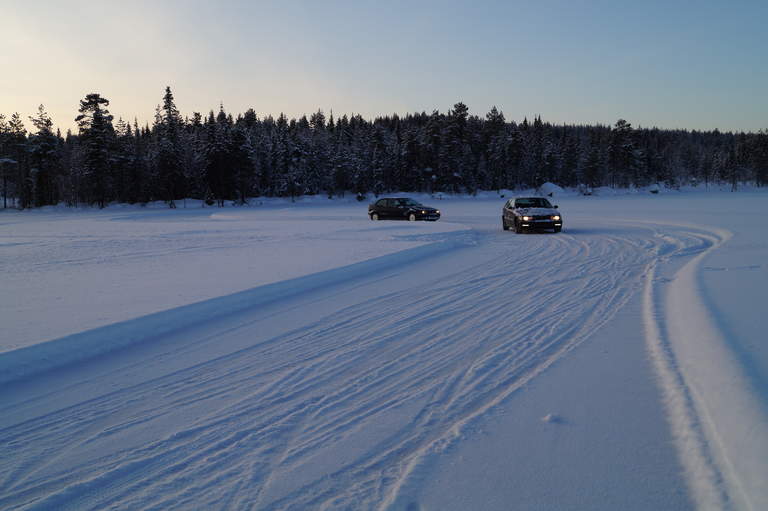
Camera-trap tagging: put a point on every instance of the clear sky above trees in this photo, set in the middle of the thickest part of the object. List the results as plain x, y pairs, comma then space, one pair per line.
694, 65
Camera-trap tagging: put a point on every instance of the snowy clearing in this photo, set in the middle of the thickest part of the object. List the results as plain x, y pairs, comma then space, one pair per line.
295, 356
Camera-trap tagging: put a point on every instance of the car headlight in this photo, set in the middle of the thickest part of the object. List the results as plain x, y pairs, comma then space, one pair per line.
437, 211
527, 218
555, 217
423, 212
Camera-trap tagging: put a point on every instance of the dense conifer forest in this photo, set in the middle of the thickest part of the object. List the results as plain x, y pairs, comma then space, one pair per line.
220, 157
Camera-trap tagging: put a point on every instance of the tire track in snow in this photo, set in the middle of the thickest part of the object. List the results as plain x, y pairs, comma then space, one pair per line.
720, 426
337, 412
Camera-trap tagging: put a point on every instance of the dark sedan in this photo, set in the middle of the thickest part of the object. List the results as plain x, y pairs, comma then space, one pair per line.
401, 208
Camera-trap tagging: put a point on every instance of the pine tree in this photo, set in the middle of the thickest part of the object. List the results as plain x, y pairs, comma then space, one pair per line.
496, 142
6, 161
96, 136
622, 158
16, 141
760, 158
592, 168
219, 150
241, 162
43, 148
168, 153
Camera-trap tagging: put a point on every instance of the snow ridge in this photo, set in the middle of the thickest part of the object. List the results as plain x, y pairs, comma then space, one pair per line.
29, 361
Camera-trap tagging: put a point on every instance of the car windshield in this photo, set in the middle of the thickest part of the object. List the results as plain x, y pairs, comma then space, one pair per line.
407, 203
532, 202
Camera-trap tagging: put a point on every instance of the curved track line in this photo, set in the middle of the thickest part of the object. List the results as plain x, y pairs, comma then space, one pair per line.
720, 426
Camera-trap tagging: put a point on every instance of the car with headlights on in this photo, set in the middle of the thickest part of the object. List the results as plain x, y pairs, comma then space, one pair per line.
530, 214
401, 208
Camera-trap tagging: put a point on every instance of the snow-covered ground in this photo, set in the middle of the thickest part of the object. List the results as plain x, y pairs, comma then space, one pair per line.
300, 356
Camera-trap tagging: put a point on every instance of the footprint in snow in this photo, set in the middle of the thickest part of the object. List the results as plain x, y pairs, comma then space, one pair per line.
552, 418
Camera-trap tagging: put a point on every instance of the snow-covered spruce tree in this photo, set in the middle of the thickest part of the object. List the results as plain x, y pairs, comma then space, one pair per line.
319, 177
571, 150
121, 161
44, 159
248, 146
6, 161
218, 172
623, 157
167, 152
241, 153
534, 136
550, 161
454, 153
96, 144
193, 156
514, 156
496, 144
592, 164
16, 151
760, 158
432, 151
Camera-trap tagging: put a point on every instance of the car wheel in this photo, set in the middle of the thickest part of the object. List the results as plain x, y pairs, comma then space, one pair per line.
375, 216
504, 224
412, 217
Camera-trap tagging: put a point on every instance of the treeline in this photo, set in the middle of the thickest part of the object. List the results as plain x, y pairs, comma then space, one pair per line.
221, 158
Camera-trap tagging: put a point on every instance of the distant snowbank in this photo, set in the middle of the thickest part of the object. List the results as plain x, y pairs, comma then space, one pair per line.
546, 189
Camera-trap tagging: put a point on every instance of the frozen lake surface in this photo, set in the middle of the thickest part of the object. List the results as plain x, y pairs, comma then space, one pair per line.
300, 356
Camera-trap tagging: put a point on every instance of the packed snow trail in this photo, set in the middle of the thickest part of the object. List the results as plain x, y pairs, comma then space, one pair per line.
718, 420
330, 410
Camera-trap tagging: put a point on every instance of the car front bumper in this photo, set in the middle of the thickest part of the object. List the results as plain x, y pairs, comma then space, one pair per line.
541, 224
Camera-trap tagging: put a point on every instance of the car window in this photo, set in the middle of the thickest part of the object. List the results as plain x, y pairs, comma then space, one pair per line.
381, 203
533, 202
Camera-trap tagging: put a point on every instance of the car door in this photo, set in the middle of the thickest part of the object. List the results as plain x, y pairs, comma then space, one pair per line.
509, 217
379, 207
389, 209
399, 208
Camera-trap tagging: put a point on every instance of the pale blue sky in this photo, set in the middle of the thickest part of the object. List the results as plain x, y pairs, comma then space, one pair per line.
693, 65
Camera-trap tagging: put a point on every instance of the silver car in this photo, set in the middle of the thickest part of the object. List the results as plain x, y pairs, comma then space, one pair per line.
530, 214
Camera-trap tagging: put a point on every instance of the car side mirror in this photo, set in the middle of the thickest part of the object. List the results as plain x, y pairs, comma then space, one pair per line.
555, 206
